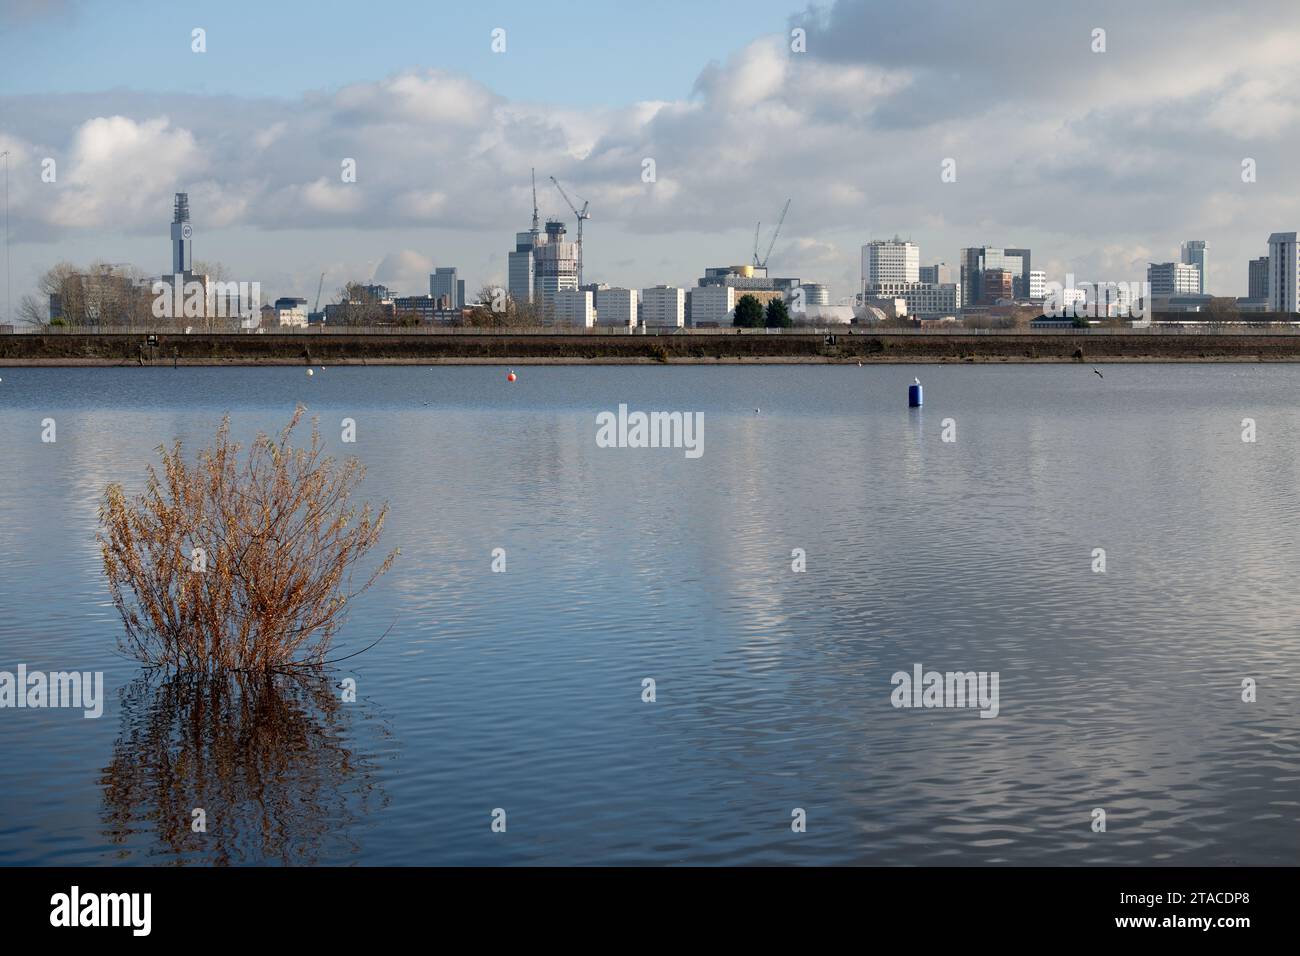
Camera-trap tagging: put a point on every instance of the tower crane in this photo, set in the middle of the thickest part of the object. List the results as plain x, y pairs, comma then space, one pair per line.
762, 263
582, 215
537, 226
320, 285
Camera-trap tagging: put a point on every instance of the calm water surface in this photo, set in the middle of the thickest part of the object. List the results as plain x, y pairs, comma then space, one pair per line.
522, 690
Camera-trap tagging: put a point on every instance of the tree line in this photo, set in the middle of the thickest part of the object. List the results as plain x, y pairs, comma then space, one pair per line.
750, 314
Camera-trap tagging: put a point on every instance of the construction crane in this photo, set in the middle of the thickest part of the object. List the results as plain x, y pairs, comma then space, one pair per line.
762, 263
582, 216
536, 223
320, 285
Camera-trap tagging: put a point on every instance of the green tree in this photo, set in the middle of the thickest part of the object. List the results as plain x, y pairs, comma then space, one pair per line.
749, 313
778, 315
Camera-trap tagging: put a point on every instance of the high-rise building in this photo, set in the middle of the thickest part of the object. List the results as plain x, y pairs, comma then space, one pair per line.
664, 306
555, 265
1283, 273
711, 305
182, 234
616, 307
522, 278
892, 270
977, 260
1173, 279
443, 282
1257, 286
1193, 254
890, 260
997, 285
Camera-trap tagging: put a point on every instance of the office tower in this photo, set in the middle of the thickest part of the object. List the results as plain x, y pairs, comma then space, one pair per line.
555, 264
1283, 274
890, 260
1169, 279
1193, 254
1257, 286
976, 260
522, 278
443, 282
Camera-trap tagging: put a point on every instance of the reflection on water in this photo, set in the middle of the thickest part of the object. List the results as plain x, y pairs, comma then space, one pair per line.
522, 690
264, 757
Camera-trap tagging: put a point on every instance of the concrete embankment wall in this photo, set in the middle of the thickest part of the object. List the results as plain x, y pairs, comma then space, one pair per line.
867, 346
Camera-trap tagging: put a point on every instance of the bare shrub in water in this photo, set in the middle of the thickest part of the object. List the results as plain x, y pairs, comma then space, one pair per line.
223, 566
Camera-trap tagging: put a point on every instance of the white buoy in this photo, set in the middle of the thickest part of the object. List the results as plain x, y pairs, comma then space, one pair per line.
310, 373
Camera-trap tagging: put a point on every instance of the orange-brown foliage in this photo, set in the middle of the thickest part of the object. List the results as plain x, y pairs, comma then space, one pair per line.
280, 538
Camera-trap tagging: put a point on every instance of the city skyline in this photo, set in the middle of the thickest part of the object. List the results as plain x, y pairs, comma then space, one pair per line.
857, 136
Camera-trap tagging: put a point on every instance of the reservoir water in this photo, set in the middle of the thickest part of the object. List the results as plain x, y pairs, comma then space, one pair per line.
1119, 690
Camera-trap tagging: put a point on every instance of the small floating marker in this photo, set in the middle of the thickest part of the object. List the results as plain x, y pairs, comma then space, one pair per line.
914, 394
310, 373
511, 377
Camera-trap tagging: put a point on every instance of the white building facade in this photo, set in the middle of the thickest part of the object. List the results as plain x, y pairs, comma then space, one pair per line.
1037, 284
616, 307
890, 261
713, 304
663, 306
922, 298
574, 307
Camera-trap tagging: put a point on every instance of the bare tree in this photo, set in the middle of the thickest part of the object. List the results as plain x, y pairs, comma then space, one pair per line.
498, 309
31, 311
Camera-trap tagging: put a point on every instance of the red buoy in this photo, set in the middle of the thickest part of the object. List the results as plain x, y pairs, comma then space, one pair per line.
510, 377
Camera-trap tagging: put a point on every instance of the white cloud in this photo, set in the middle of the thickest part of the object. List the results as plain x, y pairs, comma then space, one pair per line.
1092, 160
120, 169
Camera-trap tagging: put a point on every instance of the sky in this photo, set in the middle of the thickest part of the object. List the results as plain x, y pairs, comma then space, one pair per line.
1100, 151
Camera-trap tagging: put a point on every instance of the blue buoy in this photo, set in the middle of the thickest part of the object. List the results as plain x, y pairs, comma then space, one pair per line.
914, 394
